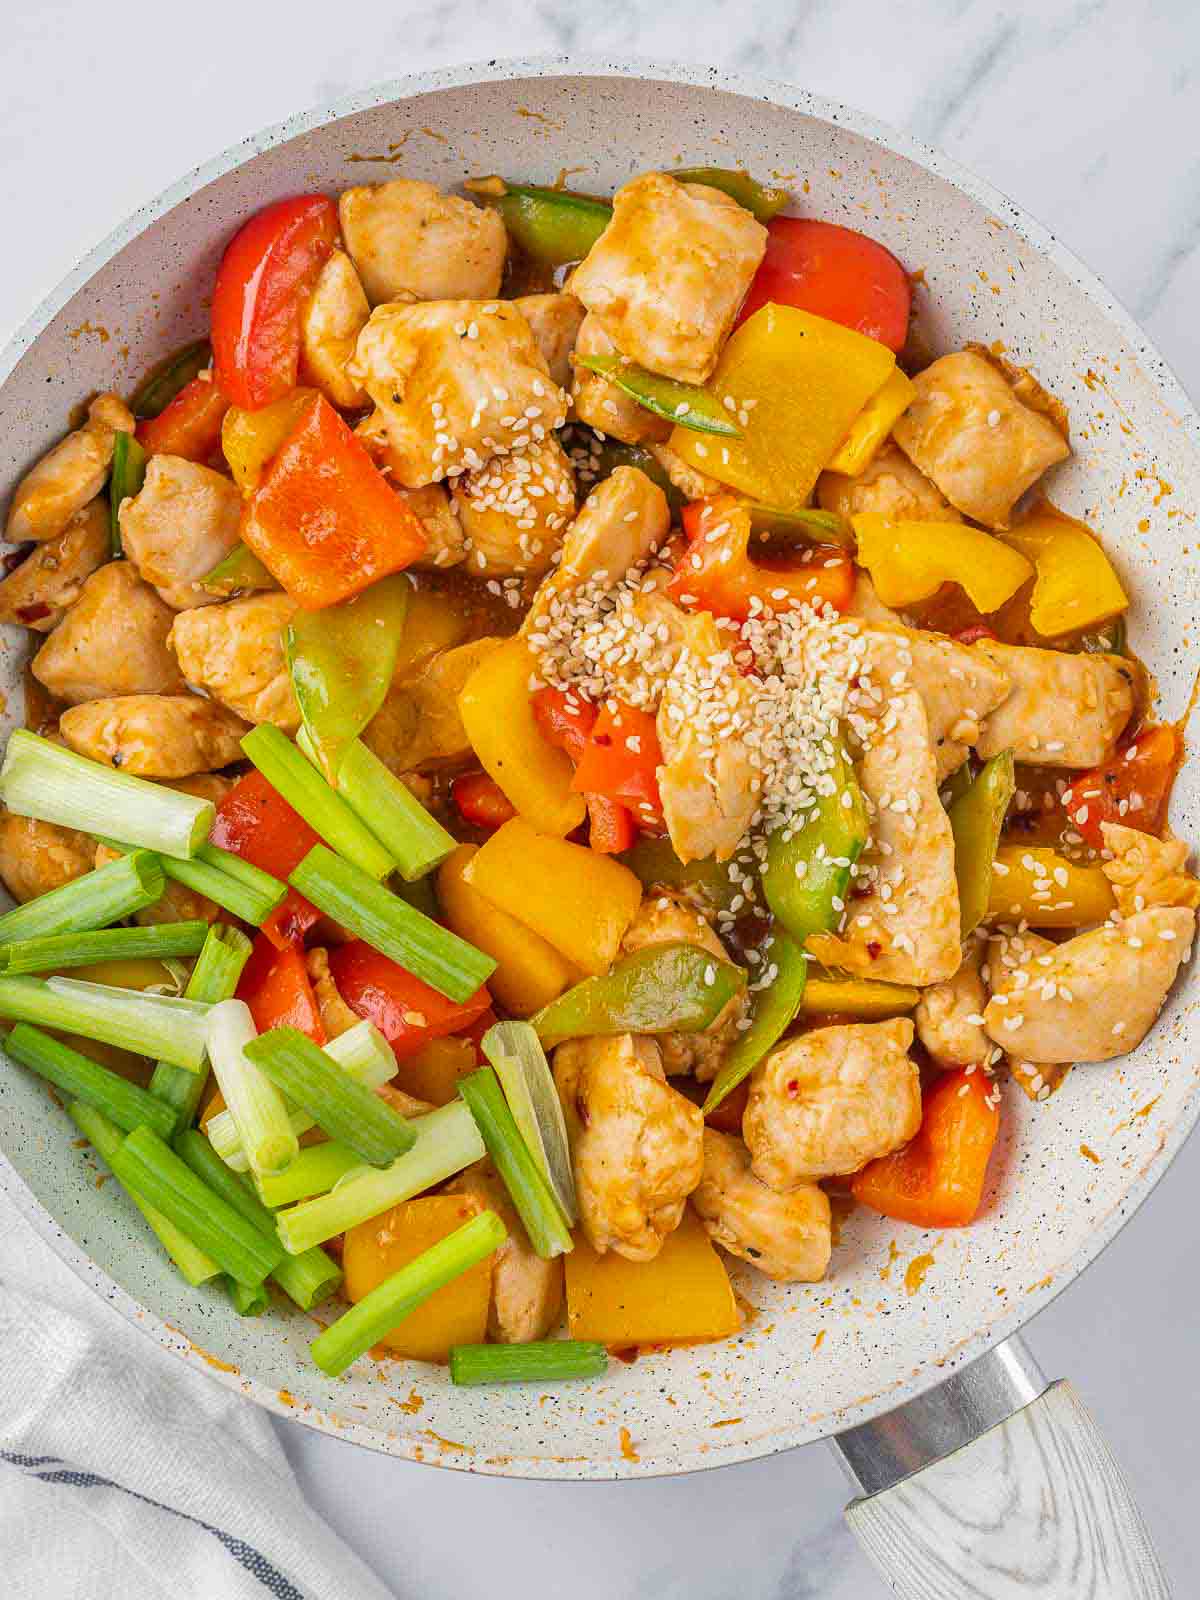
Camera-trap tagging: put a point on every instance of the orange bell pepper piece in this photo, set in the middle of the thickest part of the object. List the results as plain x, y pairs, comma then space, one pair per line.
1137, 779
937, 1181
715, 572
190, 425
275, 985
324, 519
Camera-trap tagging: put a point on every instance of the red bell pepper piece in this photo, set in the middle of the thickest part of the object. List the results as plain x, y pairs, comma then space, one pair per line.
612, 827
256, 823
836, 273
565, 720
275, 985
190, 425
1133, 788
568, 721
484, 1021
406, 1011
621, 760
324, 519
715, 572
267, 271
937, 1181
481, 801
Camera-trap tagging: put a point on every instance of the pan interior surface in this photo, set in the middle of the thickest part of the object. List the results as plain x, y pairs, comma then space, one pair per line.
899, 1305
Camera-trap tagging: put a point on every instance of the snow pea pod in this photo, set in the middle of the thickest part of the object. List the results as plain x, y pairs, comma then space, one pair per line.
654, 862
775, 1009
126, 479
807, 873
976, 818
685, 404
763, 202
663, 988
240, 570
552, 226
161, 387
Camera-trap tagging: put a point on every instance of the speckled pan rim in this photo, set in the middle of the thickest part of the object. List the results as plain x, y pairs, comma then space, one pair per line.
1044, 242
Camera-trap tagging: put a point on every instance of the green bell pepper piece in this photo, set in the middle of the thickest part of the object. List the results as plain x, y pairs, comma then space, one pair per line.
757, 198
807, 874
165, 382
126, 479
775, 1009
663, 988
809, 526
655, 863
685, 404
1108, 640
552, 226
241, 569
341, 661
866, 999
976, 817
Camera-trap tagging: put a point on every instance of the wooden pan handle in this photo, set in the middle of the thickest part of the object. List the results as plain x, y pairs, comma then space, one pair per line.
1036, 1506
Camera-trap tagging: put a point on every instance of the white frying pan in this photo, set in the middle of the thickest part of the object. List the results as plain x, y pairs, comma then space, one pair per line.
899, 1370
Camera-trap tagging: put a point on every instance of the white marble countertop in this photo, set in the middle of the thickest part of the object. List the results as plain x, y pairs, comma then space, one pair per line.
1083, 111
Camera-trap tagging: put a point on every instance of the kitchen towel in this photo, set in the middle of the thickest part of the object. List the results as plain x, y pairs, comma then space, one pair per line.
124, 1475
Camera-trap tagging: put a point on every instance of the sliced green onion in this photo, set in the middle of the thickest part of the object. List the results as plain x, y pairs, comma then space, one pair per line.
126, 478
775, 1009
515, 1051
256, 1104
685, 404
347, 1111
447, 1141
214, 977
361, 1052
244, 891
248, 1302
316, 1170
105, 1137
83, 1079
148, 1024
93, 901
241, 569
42, 780
160, 942
415, 841
523, 1177
763, 202
306, 791
143, 1162
541, 1361
306, 1278
348, 895
164, 383
391, 1301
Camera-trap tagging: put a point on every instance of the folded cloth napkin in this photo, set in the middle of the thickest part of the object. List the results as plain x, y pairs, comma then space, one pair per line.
124, 1475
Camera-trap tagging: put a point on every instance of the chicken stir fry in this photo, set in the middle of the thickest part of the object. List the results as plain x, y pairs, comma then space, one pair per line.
616, 742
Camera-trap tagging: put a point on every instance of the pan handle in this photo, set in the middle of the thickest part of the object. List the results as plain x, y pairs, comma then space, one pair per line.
997, 1486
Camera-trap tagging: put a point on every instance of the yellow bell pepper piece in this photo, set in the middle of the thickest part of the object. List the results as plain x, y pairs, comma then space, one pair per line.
798, 382
873, 425
1033, 884
433, 1073
530, 973
375, 1249
578, 901
250, 438
435, 622
683, 1294
498, 715
1076, 586
909, 561
868, 999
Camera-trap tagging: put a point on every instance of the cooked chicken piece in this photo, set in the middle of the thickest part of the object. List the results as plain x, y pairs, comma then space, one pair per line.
36, 857
177, 903
597, 401
113, 641
789, 1237
968, 431
831, 1100
1145, 871
336, 1016
401, 1101
419, 720
958, 686
555, 320
38, 593
1092, 998
69, 476
406, 237
456, 383
666, 277
445, 542
707, 782
1063, 711
948, 1014
235, 652
891, 486
184, 521
866, 606
331, 320
620, 523
155, 735
691, 483
666, 918
637, 1145
513, 510
527, 1292
906, 928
